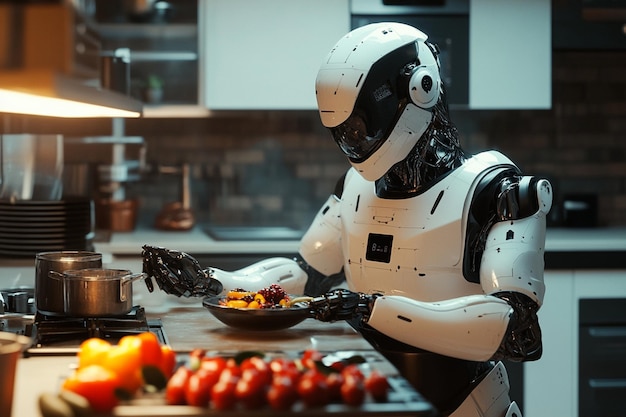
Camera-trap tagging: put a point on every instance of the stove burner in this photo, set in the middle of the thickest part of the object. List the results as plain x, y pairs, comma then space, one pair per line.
63, 334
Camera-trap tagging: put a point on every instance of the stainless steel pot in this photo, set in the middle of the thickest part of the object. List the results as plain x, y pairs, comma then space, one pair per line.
96, 292
49, 292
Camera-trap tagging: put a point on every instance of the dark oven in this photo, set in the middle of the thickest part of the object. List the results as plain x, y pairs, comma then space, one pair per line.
445, 22
602, 357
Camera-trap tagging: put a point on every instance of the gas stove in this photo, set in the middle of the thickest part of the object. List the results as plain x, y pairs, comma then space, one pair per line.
62, 335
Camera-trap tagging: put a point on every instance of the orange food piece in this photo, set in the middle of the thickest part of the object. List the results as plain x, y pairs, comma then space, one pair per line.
237, 303
151, 353
97, 384
92, 351
125, 360
238, 295
168, 361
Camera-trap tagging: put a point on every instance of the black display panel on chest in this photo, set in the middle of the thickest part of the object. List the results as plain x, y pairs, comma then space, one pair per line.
379, 248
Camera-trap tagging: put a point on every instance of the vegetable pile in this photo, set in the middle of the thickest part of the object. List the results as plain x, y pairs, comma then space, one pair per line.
252, 381
138, 365
109, 373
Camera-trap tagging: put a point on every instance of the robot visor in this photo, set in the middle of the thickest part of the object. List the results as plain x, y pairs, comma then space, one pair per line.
378, 106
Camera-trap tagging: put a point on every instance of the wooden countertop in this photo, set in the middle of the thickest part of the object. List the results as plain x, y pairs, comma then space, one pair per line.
195, 327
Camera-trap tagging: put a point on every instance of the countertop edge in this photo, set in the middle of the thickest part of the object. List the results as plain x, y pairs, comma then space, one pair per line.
197, 242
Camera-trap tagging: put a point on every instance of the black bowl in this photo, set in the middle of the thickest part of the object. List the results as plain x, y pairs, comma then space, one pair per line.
256, 319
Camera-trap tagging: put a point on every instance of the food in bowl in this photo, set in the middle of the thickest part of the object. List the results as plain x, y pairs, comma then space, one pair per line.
273, 296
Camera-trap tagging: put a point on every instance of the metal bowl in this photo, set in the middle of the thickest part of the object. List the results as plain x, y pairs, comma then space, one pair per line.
256, 319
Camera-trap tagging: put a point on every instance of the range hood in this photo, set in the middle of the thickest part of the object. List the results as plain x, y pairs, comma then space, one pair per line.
50, 64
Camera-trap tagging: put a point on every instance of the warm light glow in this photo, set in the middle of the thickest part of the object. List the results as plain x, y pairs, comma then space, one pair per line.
23, 103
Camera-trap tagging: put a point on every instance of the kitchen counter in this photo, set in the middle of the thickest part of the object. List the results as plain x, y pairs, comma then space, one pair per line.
565, 248
196, 241
192, 241
194, 327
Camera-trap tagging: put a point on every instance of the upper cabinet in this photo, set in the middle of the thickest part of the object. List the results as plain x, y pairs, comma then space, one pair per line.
494, 54
266, 54
164, 57
510, 65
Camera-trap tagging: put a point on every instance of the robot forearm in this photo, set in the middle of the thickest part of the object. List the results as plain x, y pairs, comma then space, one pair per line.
470, 327
282, 271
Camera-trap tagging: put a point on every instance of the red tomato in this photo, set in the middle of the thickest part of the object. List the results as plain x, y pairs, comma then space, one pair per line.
231, 372
177, 385
377, 385
338, 366
251, 388
97, 384
292, 373
260, 365
353, 390
353, 370
198, 388
313, 389
282, 394
334, 381
223, 394
280, 364
213, 363
309, 358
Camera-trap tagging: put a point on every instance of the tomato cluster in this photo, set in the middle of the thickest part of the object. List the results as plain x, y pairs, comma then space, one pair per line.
107, 372
253, 381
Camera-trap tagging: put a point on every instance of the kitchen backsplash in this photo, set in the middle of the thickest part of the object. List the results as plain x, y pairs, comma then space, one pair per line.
277, 168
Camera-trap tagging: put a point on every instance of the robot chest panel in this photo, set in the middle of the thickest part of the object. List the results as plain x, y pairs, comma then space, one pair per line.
403, 246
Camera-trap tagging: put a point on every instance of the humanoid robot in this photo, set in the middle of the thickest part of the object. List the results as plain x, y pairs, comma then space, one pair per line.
441, 251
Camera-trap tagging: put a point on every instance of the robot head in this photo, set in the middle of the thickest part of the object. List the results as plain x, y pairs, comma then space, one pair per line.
374, 92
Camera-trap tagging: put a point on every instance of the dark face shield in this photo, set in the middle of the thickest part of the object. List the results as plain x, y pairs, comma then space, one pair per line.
378, 106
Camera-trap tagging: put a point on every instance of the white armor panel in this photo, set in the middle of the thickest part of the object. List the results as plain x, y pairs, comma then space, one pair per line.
514, 252
285, 272
412, 247
490, 398
320, 246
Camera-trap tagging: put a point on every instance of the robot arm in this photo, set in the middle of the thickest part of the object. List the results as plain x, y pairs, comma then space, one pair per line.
180, 274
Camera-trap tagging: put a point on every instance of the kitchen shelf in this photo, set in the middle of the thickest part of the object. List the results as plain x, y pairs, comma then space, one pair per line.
145, 30
149, 56
175, 111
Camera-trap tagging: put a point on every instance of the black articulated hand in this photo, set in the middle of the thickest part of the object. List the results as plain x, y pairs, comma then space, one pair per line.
177, 273
342, 304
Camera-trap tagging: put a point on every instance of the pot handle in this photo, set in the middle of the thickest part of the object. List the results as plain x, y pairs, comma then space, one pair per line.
128, 279
56, 275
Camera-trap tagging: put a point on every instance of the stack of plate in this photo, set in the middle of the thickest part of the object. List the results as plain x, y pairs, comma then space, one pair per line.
28, 227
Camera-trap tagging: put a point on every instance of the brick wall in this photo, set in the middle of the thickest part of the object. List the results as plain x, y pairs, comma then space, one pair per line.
277, 168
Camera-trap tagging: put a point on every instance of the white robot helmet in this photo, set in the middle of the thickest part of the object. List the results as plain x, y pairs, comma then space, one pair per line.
375, 90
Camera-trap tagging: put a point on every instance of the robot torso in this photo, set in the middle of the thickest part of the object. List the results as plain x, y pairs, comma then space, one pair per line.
414, 246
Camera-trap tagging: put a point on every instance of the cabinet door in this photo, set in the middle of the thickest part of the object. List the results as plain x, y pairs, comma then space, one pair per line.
548, 382
510, 54
266, 54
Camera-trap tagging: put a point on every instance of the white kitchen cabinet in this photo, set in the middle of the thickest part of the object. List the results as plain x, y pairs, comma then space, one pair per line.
510, 65
266, 54
551, 383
